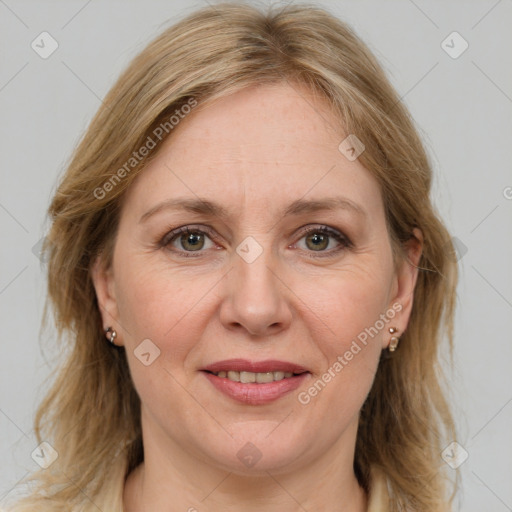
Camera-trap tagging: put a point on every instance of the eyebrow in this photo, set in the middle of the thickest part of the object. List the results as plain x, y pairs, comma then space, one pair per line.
213, 209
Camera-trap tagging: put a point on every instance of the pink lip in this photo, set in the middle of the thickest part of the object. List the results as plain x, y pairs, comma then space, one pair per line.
253, 393
244, 365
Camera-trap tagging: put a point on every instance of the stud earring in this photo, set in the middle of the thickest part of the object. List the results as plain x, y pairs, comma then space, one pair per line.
393, 342
111, 335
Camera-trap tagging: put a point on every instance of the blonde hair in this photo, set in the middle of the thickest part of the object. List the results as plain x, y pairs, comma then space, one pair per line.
91, 415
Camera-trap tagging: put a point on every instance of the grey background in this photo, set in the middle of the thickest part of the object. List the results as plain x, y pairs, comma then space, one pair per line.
462, 107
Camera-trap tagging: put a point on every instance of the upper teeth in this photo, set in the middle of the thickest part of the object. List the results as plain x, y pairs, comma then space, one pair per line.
246, 377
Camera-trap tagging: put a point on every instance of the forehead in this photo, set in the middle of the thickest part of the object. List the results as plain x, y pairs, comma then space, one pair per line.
260, 148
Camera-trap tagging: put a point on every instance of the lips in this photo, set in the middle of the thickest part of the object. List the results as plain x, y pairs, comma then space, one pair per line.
244, 365
255, 383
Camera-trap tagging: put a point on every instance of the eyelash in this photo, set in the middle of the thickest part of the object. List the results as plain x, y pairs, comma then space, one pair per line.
170, 236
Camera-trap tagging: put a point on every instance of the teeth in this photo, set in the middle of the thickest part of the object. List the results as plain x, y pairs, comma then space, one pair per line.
264, 377
235, 376
248, 377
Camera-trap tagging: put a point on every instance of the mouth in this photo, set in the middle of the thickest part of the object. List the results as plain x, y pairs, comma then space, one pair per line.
255, 377
255, 383
243, 370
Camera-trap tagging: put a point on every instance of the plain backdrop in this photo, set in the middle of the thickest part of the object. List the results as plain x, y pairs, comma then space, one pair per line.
462, 105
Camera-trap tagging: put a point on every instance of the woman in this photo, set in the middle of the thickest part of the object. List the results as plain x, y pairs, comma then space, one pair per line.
253, 282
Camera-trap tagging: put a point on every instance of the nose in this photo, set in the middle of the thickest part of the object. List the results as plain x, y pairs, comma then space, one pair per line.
256, 298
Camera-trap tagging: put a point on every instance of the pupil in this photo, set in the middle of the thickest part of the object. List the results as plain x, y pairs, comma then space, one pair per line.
319, 240
193, 240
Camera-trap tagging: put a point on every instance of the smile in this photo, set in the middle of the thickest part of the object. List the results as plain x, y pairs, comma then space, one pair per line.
251, 377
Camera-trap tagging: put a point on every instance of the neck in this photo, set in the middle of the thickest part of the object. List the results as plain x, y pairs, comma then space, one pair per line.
181, 482
234, 493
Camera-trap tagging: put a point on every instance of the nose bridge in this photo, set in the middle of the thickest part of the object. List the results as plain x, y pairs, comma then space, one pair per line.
254, 266
255, 297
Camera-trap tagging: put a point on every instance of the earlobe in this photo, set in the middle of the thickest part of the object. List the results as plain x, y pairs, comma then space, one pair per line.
103, 281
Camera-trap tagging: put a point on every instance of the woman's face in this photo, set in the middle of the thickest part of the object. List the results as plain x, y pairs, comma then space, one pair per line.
256, 281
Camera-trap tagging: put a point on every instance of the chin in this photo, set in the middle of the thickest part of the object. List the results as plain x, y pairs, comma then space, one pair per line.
264, 450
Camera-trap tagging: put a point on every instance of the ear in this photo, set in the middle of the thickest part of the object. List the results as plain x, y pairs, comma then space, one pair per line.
104, 285
405, 281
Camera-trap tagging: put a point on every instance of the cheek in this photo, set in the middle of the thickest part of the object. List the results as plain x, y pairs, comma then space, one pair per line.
348, 303
169, 308
157, 307
150, 301
349, 315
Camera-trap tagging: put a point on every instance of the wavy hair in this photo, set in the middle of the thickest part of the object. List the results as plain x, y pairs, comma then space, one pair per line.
91, 413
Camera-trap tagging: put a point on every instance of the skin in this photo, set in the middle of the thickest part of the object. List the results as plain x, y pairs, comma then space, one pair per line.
254, 152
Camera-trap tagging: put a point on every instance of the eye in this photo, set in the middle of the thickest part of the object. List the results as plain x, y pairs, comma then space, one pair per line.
187, 239
318, 239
